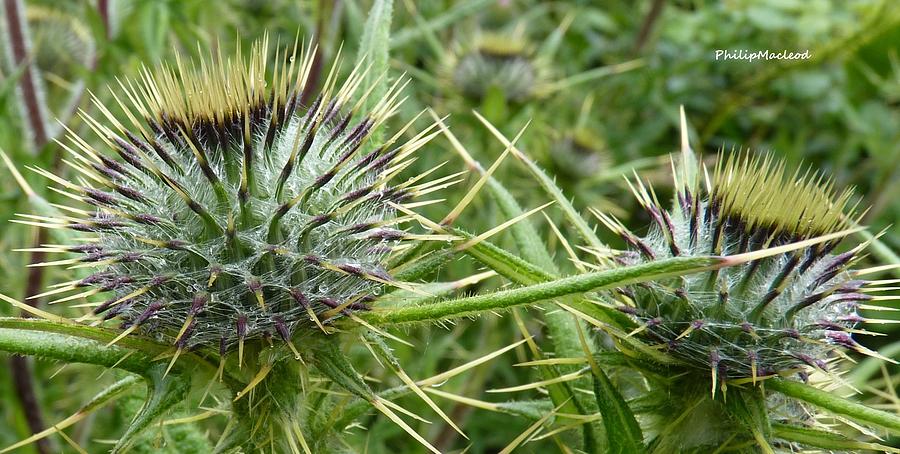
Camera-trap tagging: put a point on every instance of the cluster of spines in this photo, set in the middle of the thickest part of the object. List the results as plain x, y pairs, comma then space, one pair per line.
730, 321
743, 186
224, 119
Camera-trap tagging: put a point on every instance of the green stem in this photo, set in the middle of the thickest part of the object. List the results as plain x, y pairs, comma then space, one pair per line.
834, 404
822, 439
72, 349
507, 299
43, 338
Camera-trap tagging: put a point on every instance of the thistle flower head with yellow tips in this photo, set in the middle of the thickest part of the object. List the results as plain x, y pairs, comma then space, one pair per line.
785, 313
236, 212
789, 306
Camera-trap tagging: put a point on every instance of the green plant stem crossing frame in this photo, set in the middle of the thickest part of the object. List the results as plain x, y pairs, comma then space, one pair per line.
474, 305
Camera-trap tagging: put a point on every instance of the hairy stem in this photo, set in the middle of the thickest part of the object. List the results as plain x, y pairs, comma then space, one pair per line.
834, 404
823, 439
87, 344
71, 349
507, 299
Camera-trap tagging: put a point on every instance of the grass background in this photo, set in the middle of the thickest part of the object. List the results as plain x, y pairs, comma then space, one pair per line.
838, 111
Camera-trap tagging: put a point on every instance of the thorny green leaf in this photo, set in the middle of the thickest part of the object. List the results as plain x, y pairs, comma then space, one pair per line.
623, 434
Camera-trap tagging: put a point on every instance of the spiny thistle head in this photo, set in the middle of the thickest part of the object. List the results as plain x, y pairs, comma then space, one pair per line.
783, 313
579, 153
496, 62
235, 213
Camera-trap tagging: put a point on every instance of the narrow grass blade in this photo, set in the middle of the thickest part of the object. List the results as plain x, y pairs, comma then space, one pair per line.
103, 397
452, 15
374, 46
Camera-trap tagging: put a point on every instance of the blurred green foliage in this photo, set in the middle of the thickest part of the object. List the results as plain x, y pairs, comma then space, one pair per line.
838, 111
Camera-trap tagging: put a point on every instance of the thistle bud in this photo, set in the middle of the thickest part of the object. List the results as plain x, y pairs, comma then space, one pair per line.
777, 314
236, 212
496, 62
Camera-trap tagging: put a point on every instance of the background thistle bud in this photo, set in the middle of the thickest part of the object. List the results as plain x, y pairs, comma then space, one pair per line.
234, 213
61, 43
496, 62
771, 315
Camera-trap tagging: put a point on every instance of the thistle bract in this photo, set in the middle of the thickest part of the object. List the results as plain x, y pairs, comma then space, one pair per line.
235, 211
779, 314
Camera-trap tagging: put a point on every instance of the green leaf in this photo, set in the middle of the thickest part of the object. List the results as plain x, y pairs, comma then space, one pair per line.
505, 263
458, 12
507, 299
537, 266
494, 103
528, 241
425, 265
374, 47
154, 21
333, 363
530, 409
163, 393
749, 409
591, 75
838, 405
623, 434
